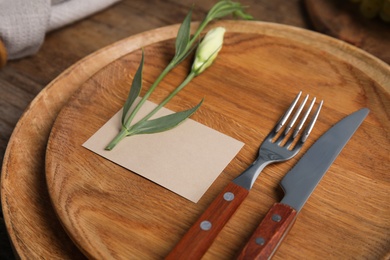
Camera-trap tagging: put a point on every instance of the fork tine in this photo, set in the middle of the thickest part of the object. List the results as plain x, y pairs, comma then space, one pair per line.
292, 122
283, 120
298, 128
308, 129
303, 120
296, 115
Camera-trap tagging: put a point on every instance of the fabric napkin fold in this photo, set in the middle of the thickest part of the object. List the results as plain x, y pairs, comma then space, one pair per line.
24, 23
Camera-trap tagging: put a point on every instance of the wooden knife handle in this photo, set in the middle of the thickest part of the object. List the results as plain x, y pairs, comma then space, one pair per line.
270, 233
201, 235
3, 55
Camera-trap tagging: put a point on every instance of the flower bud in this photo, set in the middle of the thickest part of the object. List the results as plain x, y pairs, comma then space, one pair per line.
208, 50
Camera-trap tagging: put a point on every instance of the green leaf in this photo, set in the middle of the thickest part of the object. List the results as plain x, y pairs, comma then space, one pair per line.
243, 15
163, 123
183, 35
193, 48
218, 6
224, 8
135, 89
225, 11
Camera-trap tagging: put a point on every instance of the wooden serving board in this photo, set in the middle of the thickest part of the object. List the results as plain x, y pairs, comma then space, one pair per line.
110, 212
32, 224
342, 19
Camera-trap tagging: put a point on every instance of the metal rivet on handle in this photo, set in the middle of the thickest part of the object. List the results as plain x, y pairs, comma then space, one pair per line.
276, 218
205, 225
228, 196
260, 241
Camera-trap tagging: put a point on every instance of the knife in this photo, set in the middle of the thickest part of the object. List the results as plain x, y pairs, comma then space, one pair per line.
298, 184
196, 241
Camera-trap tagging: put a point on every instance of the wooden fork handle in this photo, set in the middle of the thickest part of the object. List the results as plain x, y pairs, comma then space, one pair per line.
270, 233
201, 235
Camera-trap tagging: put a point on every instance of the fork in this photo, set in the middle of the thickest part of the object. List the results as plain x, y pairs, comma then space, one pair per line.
281, 144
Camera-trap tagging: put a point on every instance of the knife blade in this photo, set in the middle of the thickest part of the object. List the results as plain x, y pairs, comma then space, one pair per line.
298, 184
201, 235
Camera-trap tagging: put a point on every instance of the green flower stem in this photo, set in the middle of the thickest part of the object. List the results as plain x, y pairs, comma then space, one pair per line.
213, 13
168, 98
170, 66
198, 31
122, 134
126, 132
219, 10
194, 37
173, 63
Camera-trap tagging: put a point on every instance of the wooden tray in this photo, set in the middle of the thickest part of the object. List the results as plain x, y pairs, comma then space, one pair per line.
31, 222
110, 212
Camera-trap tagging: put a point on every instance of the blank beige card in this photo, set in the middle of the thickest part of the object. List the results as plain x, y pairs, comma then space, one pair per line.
185, 160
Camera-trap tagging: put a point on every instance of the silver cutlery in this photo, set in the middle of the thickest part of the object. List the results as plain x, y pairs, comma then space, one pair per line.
298, 184
288, 143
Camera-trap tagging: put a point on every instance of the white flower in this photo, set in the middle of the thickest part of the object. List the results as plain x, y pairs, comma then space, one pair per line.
208, 50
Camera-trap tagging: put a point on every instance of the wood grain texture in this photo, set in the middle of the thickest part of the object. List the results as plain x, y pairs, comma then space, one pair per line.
269, 234
31, 221
27, 85
195, 243
342, 19
36, 232
111, 212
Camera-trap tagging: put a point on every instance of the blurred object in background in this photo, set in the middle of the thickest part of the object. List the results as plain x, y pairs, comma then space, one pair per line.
24, 23
374, 8
343, 19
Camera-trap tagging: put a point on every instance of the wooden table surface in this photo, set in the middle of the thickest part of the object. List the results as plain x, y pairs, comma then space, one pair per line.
22, 80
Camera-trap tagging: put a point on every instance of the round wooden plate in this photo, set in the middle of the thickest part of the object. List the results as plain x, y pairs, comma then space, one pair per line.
110, 212
31, 221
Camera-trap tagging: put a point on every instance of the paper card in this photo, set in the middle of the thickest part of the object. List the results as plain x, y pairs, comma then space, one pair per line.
185, 160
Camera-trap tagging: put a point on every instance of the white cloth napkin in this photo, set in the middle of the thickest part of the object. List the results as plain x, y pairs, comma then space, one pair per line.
24, 23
